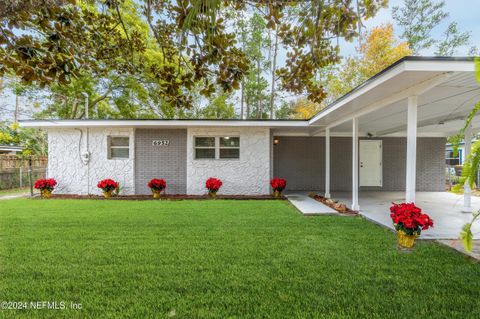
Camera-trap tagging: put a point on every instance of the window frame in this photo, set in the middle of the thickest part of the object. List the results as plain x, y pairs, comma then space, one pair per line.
220, 147
217, 147
110, 147
195, 147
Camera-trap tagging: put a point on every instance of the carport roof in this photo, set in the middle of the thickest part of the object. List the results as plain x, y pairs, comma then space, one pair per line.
446, 88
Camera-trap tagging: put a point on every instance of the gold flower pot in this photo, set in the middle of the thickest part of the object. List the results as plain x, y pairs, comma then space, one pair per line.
213, 195
277, 193
46, 193
156, 193
404, 240
107, 194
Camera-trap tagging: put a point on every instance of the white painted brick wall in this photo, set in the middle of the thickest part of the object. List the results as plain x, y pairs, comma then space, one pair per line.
249, 175
73, 176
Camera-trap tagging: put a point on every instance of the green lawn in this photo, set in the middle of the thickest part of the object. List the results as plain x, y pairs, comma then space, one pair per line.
219, 259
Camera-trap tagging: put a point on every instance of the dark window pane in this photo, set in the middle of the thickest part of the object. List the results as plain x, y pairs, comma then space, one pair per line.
205, 153
118, 141
205, 141
119, 153
230, 141
229, 153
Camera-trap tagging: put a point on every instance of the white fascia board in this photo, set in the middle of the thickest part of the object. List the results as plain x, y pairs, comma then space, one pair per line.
440, 66
157, 123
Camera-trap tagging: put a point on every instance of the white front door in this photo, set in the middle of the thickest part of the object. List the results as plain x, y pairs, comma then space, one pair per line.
370, 158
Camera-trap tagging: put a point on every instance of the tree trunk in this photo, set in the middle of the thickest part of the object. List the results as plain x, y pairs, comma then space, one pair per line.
259, 111
17, 107
74, 109
274, 67
242, 97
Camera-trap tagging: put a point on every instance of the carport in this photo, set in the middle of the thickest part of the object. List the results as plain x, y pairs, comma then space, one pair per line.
416, 97
407, 111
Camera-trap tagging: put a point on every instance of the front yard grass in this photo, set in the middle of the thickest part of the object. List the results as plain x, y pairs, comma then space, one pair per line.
219, 259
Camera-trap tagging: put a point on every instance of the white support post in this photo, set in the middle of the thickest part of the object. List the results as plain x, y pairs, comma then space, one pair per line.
467, 191
327, 163
355, 205
411, 149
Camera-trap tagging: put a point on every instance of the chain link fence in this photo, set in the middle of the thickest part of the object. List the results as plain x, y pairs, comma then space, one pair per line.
21, 172
20, 177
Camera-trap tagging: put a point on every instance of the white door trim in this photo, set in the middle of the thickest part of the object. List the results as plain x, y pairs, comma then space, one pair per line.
378, 182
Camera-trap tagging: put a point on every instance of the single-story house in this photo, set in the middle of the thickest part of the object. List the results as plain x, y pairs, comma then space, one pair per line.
387, 134
456, 158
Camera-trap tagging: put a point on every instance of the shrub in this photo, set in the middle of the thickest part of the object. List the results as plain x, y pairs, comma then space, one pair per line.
157, 184
278, 184
45, 184
107, 185
213, 184
409, 218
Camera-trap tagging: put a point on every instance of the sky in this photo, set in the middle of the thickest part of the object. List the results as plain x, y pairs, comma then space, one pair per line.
465, 12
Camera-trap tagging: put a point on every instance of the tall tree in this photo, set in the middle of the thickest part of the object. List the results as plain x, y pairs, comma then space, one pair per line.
218, 108
274, 50
255, 82
65, 38
418, 18
34, 141
305, 109
379, 49
452, 40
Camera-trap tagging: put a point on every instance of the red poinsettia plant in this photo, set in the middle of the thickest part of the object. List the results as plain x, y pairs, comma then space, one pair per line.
278, 184
45, 184
409, 218
107, 185
213, 184
157, 184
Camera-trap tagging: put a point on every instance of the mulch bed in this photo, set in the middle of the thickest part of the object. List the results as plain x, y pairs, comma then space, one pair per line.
165, 197
339, 207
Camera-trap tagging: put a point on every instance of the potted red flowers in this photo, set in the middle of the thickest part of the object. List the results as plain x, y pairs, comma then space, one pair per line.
213, 185
107, 186
278, 185
409, 222
157, 186
46, 186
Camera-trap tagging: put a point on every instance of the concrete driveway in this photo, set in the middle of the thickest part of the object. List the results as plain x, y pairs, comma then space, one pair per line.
444, 208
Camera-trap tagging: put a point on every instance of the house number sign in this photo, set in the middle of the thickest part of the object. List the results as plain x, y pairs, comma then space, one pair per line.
160, 142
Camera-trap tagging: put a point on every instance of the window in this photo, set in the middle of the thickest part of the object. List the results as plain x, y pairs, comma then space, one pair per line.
453, 160
229, 147
204, 147
226, 147
118, 147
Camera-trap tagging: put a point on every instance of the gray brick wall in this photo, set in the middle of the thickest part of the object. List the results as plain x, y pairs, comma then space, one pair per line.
301, 161
167, 162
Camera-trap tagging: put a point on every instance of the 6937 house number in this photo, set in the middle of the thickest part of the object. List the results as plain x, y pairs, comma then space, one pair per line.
160, 142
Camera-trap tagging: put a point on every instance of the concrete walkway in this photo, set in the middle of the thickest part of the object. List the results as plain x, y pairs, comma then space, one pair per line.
5, 197
443, 207
457, 245
308, 206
